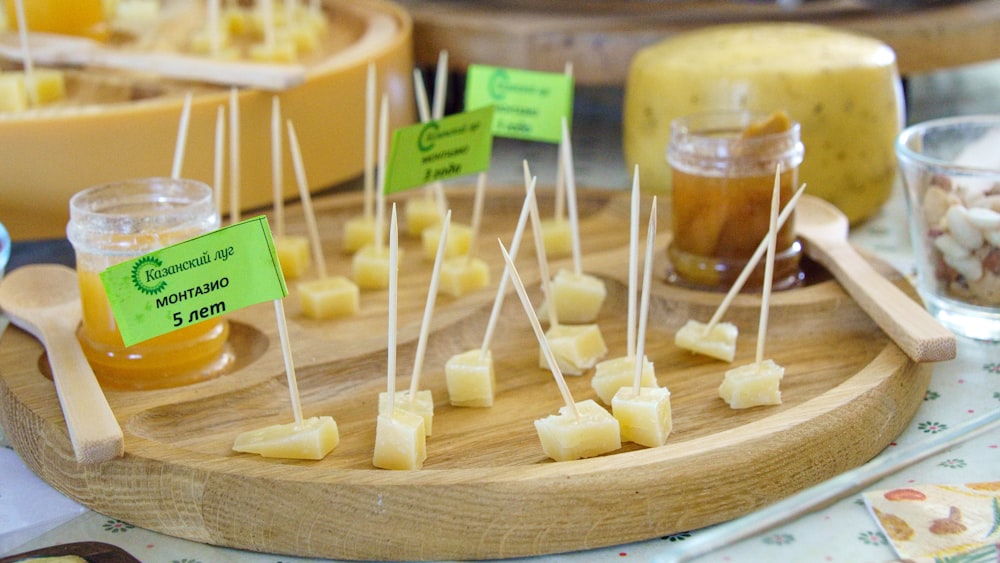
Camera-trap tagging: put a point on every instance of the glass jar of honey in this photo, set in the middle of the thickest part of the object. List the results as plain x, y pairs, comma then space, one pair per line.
723, 167
113, 223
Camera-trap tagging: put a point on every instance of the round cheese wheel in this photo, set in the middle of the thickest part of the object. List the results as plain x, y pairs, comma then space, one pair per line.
844, 90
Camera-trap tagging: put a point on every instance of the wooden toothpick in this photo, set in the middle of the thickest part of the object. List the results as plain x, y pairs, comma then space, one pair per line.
307, 208
383, 142
214, 41
574, 220
425, 325
27, 61
543, 260
424, 111
286, 352
560, 195
647, 280
772, 244
515, 245
182, 133
752, 263
234, 156
478, 199
550, 356
393, 300
633, 261
220, 158
369, 179
277, 168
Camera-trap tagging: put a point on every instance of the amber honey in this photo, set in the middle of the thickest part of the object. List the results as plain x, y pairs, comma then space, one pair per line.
111, 224
723, 180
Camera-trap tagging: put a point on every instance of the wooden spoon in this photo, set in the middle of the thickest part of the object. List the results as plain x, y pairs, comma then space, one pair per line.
44, 300
823, 230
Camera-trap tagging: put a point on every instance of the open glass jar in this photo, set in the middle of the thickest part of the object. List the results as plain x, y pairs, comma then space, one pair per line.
113, 223
723, 168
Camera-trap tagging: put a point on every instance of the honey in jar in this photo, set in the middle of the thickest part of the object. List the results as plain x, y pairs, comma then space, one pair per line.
113, 223
723, 168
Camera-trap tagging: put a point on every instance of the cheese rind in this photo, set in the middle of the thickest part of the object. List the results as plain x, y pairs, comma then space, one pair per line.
421, 404
578, 297
329, 298
752, 385
565, 437
293, 255
719, 343
577, 348
313, 439
471, 380
400, 441
615, 373
646, 418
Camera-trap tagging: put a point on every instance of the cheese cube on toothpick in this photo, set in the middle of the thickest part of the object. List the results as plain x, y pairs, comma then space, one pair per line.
421, 404
611, 375
758, 383
360, 231
579, 430
470, 375
466, 273
556, 230
370, 264
459, 238
292, 250
428, 210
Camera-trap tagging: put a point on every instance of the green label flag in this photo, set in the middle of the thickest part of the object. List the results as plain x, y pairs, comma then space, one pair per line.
528, 104
453, 146
194, 280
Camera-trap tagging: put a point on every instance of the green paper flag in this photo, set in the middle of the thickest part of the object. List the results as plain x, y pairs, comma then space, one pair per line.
197, 279
527, 104
453, 146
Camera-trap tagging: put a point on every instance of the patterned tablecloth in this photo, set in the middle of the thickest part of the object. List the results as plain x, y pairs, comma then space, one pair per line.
960, 390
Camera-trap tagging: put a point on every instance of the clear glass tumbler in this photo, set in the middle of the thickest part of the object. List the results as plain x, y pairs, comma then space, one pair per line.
112, 223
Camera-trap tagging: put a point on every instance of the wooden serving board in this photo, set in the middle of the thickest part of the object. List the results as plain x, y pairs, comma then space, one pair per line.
486, 489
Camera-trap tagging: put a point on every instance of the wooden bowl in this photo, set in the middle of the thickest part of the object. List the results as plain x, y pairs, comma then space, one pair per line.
122, 126
486, 490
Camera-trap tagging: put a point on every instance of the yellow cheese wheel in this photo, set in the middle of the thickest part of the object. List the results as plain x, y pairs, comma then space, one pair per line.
844, 90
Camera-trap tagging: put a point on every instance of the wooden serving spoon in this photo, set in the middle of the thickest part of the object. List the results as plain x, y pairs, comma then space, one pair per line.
823, 230
44, 300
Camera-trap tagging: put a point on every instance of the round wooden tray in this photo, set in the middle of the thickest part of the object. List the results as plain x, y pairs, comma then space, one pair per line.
486, 490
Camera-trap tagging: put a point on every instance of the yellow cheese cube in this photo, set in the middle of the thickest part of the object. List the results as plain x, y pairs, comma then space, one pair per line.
471, 379
565, 437
49, 85
400, 441
752, 385
578, 297
358, 232
136, 11
237, 21
718, 343
611, 375
201, 43
305, 37
313, 439
328, 298
577, 348
644, 418
370, 267
282, 51
420, 213
557, 237
462, 274
421, 404
459, 237
293, 255
13, 96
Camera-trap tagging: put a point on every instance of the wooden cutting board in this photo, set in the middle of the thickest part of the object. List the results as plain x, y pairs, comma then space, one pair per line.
486, 490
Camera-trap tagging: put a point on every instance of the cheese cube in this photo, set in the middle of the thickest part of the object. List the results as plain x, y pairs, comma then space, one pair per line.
328, 298
420, 213
305, 37
459, 238
282, 51
565, 437
644, 418
611, 375
237, 20
557, 237
471, 380
312, 439
293, 255
463, 274
578, 297
421, 404
719, 343
752, 385
47, 86
577, 348
370, 267
13, 96
400, 441
359, 232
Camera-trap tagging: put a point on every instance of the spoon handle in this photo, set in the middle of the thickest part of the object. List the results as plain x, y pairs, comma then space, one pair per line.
93, 428
909, 325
